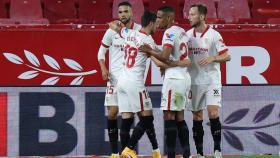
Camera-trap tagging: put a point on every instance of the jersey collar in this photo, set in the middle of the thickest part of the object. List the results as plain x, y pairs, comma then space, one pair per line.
132, 25
207, 28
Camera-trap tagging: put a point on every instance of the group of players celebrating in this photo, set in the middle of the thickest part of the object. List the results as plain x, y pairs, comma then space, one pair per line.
189, 61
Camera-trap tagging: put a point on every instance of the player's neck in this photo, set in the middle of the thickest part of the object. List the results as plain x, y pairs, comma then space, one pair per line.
201, 28
129, 24
170, 25
145, 31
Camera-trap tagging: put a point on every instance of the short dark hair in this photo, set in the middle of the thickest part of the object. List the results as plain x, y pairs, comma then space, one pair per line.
125, 3
148, 17
202, 9
166, 9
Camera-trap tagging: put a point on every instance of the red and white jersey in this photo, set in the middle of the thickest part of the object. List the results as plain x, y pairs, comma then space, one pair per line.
202, 45
135, 60
176, 38
116, 51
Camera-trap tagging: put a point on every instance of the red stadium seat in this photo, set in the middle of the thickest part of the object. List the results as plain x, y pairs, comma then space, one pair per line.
94, 11
265, 9
4, 12
210, 7
153, 5
233, 10
6, 21
60, 11
27, 12
137, 7
273, 21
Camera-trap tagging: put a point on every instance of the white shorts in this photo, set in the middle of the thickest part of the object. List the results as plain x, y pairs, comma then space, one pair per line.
111, 98
132, 97
204, 95
175, 94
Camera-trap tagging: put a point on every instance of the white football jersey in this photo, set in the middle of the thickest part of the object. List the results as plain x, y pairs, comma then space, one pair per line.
202, 45
116, 51
176, 38
135, 60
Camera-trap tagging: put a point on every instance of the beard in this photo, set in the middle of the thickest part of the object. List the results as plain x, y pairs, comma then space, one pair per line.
125, 21
196, 24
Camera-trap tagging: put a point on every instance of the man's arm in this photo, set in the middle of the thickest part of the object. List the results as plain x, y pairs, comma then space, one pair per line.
223, 57
162, 57
105, 44
104, 70
101, 59
217, 58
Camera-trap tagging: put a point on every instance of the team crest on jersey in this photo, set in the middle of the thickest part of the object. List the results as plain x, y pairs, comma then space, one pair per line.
169, 35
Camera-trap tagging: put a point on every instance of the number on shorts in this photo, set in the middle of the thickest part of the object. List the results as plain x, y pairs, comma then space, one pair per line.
110, 90
130, 55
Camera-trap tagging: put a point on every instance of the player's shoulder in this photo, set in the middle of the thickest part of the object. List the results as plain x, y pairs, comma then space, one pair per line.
136, 26
172, 32
174, 29
213, 31
190, 31
110, 32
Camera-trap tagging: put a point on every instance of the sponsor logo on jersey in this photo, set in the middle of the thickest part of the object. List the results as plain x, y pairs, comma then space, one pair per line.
126, 30
169, 35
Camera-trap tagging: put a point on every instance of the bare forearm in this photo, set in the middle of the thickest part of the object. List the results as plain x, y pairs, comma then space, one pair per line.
159, 56
102, 64
222, 58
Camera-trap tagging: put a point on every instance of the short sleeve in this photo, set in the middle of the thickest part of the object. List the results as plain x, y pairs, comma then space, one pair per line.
219, 44
107, 38
168, 38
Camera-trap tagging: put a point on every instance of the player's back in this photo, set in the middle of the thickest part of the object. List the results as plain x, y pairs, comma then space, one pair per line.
135, 60
176, 38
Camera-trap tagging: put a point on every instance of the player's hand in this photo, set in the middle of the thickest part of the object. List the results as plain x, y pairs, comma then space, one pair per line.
115, 25
206, 61
145, 48
105, 74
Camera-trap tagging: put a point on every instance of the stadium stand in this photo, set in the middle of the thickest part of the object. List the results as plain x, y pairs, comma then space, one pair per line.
273, 21
4, 6
211, 6
27, 12
153, 5
234, 11
262, 10
60, 11
94, 11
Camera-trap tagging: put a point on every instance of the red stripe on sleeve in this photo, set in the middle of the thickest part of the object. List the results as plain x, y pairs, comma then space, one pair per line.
104, 45
168, 45
223, 51
183, 56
